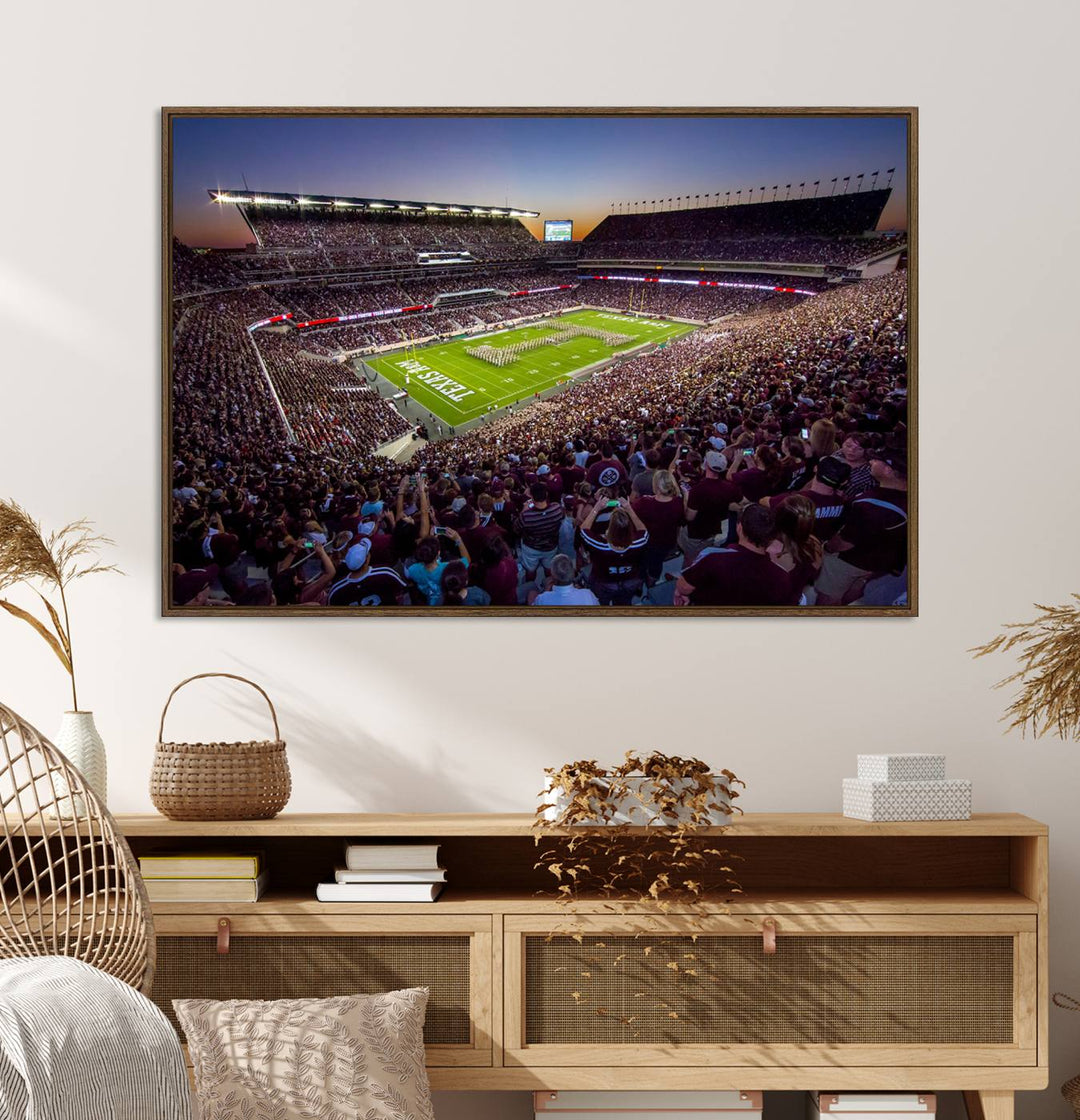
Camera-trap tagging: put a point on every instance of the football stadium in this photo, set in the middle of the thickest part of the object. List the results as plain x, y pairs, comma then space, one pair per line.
415, 404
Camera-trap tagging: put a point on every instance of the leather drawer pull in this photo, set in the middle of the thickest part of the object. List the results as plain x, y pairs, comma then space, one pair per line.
224, 928
768, 936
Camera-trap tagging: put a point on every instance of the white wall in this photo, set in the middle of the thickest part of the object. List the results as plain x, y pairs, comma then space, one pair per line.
387, 714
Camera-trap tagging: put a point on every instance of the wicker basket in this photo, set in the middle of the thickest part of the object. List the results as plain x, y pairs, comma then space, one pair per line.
1071, 1089
220, 781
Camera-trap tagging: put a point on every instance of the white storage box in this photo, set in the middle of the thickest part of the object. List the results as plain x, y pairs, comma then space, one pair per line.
902, 767
870, 1106
948, 800
649, 1104
637, 810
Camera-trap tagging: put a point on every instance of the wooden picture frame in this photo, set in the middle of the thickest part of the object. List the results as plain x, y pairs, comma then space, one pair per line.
906, 608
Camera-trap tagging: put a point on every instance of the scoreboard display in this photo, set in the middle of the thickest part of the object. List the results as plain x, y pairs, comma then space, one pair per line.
559, 230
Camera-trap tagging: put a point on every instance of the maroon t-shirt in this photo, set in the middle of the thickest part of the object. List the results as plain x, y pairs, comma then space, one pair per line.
501, 582
877, 526
711, 498
829, 510
571, 476
737, 577
662, 519
382, 550
754, 484
607, 472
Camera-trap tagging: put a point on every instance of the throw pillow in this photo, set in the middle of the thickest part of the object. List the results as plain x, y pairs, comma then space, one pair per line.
343, 1058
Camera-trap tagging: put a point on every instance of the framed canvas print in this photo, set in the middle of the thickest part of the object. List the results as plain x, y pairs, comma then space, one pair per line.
522, 361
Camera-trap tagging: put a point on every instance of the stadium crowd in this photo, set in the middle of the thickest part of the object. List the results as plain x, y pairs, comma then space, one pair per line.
392, 238
759, 462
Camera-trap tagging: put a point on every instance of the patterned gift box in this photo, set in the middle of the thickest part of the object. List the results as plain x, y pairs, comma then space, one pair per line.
902, 767
948, 800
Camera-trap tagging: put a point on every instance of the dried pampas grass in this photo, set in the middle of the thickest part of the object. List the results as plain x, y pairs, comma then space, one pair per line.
53, 561
1049, 674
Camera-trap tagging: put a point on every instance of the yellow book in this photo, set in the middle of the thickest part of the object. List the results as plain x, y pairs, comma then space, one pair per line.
201, 865
206, 890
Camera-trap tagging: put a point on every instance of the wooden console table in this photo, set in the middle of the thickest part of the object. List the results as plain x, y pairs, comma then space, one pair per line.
908, 956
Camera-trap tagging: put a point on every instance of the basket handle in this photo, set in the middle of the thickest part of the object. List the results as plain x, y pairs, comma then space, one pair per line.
232, 677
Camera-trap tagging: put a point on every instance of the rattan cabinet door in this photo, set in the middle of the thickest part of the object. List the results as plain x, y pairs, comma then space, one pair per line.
849, 990
287, 957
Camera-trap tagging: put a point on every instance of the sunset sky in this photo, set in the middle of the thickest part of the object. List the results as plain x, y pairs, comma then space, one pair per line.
564, 167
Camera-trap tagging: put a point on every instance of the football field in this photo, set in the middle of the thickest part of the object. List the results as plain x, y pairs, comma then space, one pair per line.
459, 387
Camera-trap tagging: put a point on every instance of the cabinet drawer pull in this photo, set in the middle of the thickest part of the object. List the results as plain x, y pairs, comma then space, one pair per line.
224, 928
768, 936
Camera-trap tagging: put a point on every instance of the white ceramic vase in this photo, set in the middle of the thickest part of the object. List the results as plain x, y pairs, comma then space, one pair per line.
78, 740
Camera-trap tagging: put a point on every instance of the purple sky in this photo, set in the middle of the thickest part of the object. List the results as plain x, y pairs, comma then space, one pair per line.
565, 167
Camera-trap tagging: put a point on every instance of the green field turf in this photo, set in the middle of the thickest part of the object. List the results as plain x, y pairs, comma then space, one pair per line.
467, 387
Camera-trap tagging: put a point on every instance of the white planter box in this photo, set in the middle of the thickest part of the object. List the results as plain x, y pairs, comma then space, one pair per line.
948, 800
902, 767
631, 810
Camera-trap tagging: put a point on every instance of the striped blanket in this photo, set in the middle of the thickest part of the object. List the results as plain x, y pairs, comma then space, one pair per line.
78, 1044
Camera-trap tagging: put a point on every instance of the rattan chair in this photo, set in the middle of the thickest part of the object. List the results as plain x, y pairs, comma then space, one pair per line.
69, 885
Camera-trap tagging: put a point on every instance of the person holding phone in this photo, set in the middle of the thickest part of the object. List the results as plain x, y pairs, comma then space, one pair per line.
617, 557
427, 569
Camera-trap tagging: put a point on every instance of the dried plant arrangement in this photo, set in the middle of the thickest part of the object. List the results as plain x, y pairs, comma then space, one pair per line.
588, 843
51, 562
1049, 674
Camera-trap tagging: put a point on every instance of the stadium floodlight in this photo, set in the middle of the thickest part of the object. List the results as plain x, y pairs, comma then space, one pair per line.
406, 206
380, 206
434, 209
478, 210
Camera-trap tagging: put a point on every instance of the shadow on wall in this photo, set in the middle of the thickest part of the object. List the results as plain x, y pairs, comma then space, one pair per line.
367, 775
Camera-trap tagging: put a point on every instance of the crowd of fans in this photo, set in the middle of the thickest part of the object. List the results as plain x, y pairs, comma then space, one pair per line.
389, 238
822, 231
842, 251
758, 462
700, 304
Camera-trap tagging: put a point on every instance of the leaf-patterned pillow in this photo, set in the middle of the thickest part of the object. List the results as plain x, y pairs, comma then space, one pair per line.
343, 1058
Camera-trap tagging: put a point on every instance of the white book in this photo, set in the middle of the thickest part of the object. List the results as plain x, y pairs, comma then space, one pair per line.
396, 875
375, 857
378, 892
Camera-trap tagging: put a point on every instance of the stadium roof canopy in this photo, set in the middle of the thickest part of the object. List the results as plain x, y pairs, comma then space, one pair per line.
343, 202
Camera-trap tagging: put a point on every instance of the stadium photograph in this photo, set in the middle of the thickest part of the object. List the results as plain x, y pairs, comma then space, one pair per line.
517, 362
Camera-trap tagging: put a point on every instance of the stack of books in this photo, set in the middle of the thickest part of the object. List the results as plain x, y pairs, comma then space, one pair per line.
204, 876
906, 787
386, 873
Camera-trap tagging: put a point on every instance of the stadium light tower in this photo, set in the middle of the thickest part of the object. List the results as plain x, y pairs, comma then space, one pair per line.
833, 191
802, 188
727, 198
889, 171
847, 182
859, 177
873, 180
817, 183
788, 195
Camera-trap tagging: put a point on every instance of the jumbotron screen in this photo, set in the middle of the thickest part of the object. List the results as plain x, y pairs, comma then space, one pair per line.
560, 230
